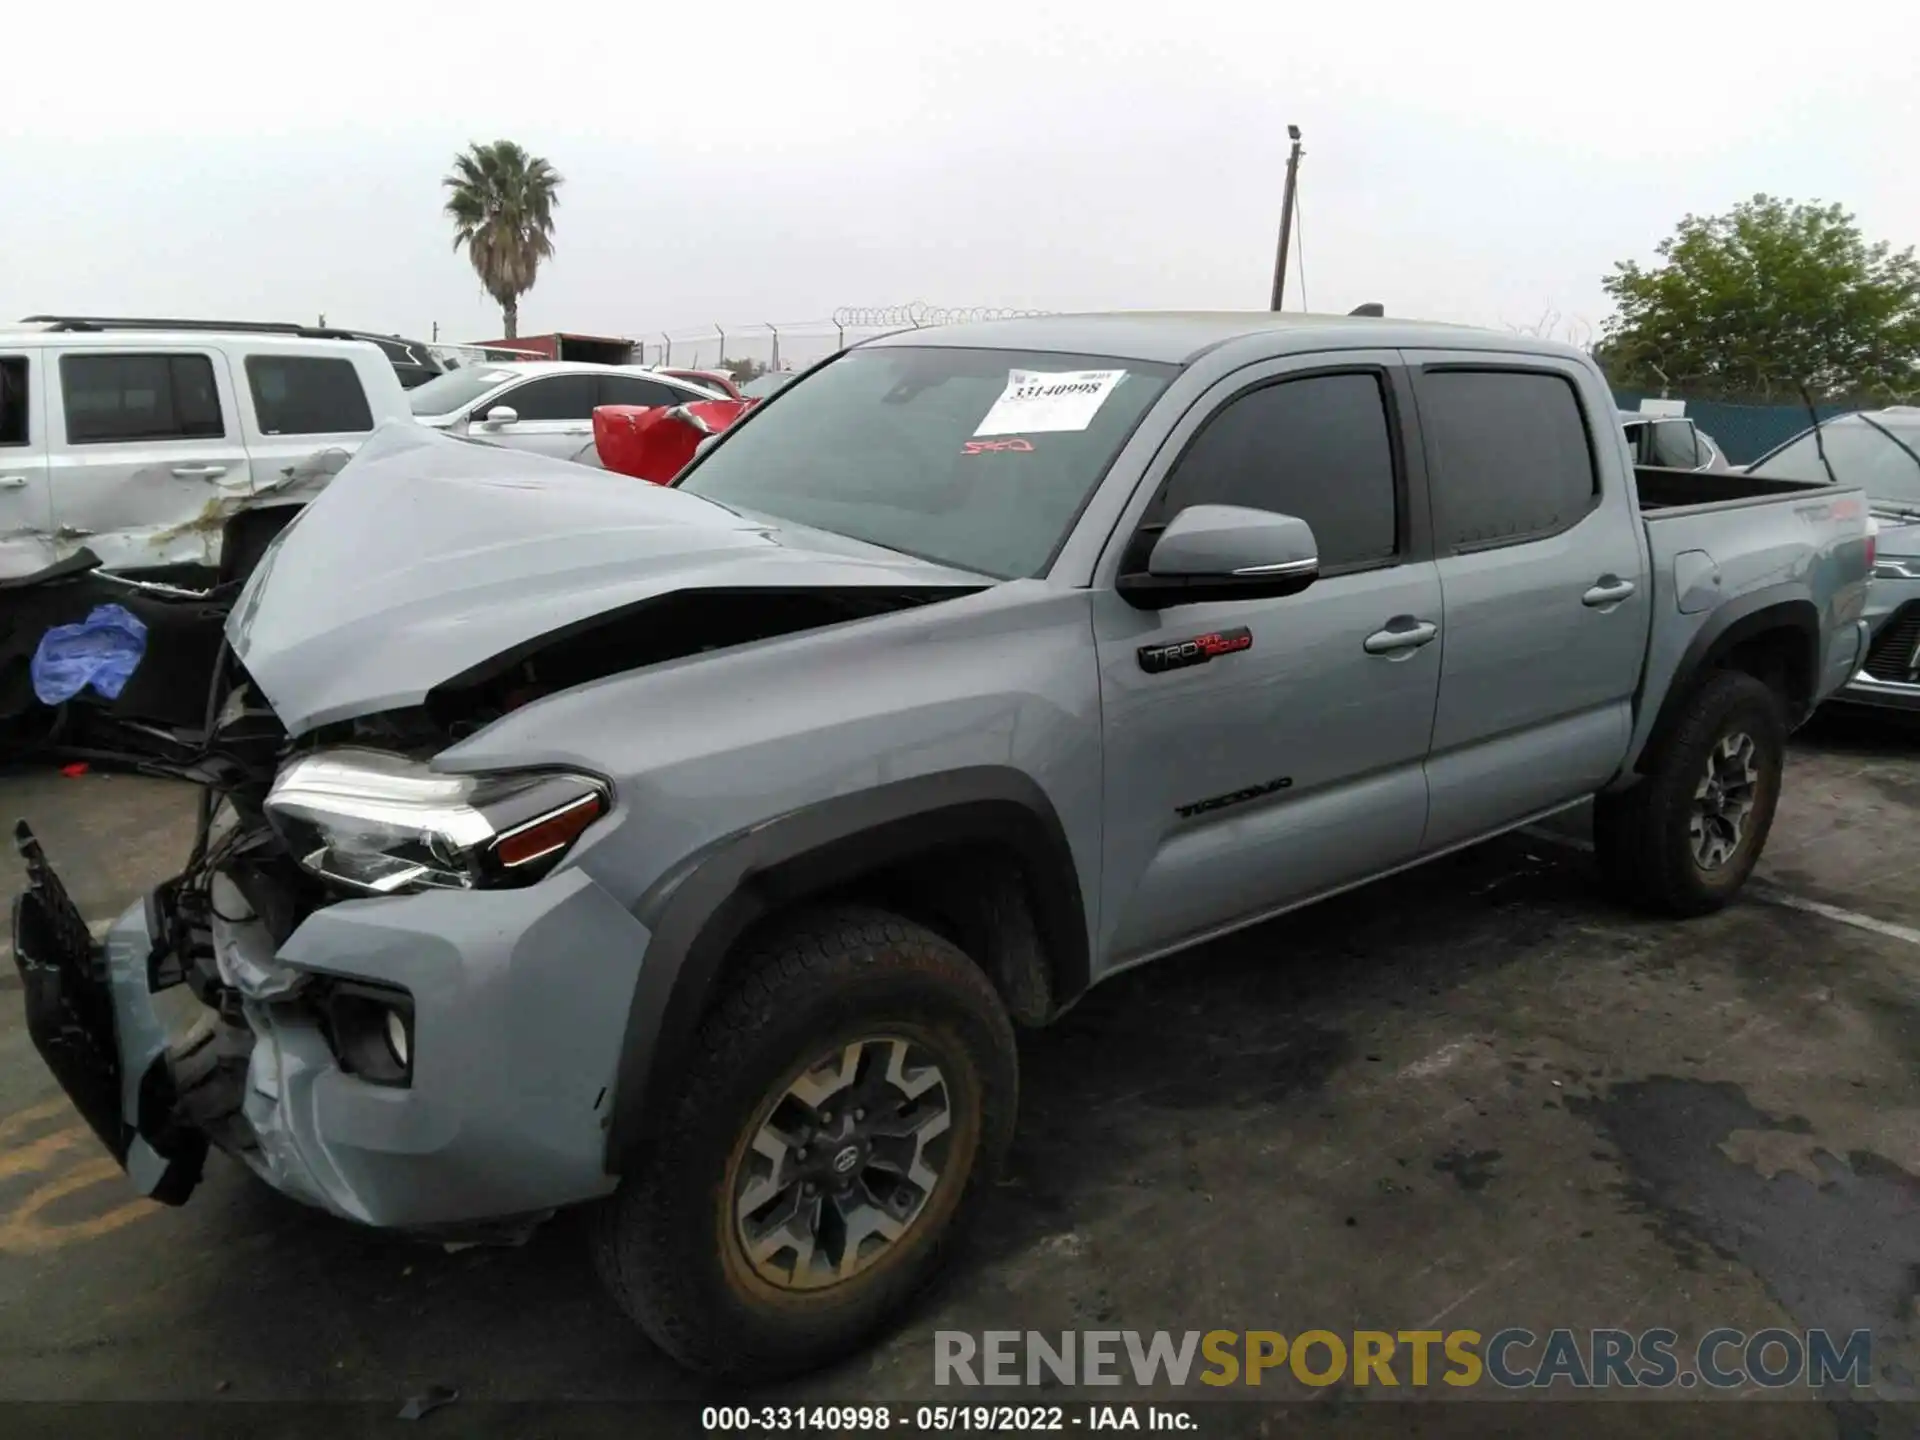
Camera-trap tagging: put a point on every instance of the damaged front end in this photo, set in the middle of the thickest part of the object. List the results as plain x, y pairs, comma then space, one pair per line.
196, 1022
152, 1030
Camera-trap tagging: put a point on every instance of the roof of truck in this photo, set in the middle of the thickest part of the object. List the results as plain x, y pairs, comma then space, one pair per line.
1177, 337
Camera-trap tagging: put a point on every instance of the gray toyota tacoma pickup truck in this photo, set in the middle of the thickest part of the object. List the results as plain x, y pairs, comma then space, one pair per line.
695, 851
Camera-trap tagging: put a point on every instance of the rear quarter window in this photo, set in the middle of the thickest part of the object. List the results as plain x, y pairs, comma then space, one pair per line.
1509, 456
307, 395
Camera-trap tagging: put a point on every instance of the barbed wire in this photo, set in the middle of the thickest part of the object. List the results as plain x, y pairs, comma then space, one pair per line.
789, 340
918, 314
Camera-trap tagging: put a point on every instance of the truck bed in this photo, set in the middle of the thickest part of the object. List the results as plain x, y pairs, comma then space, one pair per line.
1662, 489
1721, 544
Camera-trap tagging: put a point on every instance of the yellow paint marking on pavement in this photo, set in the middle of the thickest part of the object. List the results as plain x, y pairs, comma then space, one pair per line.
22, 1232
26, 1119
35, 1155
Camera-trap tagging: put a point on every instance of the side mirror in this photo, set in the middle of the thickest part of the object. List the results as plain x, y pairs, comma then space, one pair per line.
501, 415
1224, 552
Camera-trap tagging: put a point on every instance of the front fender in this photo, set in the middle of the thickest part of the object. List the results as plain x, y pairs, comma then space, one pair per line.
700, 909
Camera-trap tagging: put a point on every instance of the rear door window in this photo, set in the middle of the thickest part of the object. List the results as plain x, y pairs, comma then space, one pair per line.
1508, 456
139, 397
307, 395
15, 428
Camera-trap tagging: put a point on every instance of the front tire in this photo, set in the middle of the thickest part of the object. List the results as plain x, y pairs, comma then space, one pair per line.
849, 1103
1684, 840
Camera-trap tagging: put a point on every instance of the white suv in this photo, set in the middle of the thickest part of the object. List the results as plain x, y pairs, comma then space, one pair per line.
545, 406
143, 445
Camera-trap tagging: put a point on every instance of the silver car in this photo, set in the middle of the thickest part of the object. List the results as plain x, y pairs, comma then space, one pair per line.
1673, 442
1878, 451
545, 406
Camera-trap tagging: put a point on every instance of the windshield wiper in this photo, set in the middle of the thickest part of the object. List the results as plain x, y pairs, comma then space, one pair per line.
1912, 454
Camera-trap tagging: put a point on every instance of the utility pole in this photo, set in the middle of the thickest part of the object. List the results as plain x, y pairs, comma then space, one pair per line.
1286, 218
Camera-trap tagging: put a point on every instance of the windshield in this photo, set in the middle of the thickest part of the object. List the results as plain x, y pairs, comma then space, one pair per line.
762, 386
979, 459
1860, 455
456, 388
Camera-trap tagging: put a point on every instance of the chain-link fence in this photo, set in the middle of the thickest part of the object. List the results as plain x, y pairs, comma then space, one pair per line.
795, 344
1747, 429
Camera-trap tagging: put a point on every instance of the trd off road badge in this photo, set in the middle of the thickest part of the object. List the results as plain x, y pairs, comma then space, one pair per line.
1197, 651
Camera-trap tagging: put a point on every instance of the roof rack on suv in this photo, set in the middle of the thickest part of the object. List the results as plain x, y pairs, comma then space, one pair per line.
121, 322
412, 361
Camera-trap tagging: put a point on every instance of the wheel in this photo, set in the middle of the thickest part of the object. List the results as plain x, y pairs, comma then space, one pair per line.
850, 1102
1684, 840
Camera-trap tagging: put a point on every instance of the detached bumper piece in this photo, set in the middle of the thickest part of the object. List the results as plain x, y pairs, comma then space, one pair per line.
70, 1016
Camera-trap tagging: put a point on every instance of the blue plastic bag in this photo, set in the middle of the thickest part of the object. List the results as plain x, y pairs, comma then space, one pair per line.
103, 651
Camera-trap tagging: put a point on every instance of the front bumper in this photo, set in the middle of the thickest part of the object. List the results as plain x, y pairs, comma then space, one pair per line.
520, 1000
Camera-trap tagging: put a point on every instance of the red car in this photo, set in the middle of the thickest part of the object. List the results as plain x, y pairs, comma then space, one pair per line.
712, 379
655, 442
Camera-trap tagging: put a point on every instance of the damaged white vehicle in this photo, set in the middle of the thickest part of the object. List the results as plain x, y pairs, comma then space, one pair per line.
173, 455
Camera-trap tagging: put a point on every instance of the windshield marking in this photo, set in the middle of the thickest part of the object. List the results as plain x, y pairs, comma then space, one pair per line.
1037, 400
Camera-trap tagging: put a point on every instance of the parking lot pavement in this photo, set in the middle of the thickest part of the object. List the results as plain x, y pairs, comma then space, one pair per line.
1472, 1096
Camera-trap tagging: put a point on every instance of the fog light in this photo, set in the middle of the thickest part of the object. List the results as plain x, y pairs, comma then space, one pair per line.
397, 1039
370, 1029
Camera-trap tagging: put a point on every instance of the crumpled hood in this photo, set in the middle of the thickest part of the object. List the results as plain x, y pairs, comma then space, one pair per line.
428, 555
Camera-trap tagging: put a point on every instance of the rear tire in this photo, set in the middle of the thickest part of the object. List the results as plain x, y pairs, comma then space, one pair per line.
1683, 841
848, 1106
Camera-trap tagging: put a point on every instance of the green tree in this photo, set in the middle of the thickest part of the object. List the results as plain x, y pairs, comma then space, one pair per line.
501, 201
1767, 298
743, 370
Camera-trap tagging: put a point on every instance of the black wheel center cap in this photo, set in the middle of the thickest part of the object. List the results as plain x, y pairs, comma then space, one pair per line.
846, 1162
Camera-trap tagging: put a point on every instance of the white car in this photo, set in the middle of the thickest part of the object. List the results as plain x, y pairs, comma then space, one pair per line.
545, 406
144, 445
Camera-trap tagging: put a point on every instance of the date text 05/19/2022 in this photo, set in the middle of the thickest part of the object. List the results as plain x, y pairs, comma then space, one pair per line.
924, 1419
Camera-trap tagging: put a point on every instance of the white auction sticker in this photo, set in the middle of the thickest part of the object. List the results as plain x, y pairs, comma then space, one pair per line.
1040, 400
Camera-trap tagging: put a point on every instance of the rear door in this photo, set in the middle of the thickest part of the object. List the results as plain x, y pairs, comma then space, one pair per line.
1541, 568
26, 509
1291, 762
553, 415
304, 414
145, 453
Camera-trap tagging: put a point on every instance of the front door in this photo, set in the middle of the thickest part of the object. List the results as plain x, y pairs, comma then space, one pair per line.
146, 455
1547, 605
26, 511
553, 415
1262, 752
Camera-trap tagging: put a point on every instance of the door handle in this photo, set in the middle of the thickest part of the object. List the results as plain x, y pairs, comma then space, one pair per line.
13, 482
199, 472
1607, 590
1393, 641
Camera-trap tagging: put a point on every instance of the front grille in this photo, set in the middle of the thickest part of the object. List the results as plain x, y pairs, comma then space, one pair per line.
1892, 655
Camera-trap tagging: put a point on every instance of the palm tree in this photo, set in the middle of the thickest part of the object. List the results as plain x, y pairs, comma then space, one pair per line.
501, 202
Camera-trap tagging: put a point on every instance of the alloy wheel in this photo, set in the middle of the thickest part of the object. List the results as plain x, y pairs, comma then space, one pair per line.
842, 1163
1724, 800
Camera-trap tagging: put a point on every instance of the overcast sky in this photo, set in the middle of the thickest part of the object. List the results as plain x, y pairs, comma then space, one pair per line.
1481, 163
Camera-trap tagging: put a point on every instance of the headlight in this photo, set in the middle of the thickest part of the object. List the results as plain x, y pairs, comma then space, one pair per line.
384, 824
1896, 567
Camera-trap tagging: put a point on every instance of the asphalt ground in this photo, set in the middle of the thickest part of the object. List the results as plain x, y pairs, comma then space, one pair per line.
1478, 1095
